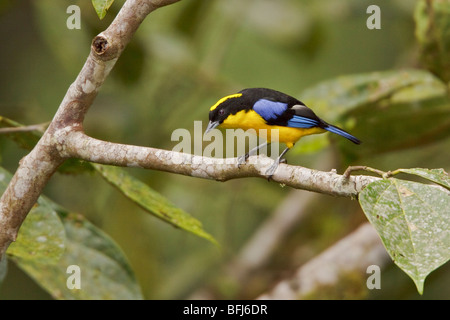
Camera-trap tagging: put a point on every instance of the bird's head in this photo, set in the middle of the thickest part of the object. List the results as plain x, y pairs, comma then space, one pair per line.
222, 109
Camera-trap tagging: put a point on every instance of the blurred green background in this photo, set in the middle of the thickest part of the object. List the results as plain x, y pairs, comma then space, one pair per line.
183, 58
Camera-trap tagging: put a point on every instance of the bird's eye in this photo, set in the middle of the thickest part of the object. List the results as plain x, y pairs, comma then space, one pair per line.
221, 112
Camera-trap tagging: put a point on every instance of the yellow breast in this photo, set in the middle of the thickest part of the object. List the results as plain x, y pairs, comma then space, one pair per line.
252, 120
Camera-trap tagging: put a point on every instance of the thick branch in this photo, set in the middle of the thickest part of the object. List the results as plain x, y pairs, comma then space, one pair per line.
24, 189
79, 145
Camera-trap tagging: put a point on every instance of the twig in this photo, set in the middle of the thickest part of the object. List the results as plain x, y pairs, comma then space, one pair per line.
34, 127
350, 169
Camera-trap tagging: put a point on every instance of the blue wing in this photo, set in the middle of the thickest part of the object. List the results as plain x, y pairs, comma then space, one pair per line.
272, 110
302, 122
275, 113
269, 110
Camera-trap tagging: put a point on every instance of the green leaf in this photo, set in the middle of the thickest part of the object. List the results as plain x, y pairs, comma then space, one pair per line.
412, 220
367, 105
101, 7
438, 176
152, 201
403, 124
345, 93
41, 236
105, 272
390, 110
51, 239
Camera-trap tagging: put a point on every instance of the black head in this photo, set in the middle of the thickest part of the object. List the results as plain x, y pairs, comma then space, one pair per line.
224, 107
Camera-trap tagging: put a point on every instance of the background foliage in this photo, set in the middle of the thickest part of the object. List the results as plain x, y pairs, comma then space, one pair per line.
182, 59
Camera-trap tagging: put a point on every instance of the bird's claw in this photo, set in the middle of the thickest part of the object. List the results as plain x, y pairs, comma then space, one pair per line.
242, 159
270, 172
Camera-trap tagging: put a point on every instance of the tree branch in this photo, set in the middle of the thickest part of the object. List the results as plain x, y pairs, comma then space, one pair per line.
79, 145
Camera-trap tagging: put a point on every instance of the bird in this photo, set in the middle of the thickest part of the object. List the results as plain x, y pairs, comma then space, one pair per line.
263, 108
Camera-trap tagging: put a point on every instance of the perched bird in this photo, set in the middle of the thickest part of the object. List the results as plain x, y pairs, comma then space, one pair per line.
261, 108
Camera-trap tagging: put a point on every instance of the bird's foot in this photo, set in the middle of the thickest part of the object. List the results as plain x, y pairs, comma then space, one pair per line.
270, 172
242, 159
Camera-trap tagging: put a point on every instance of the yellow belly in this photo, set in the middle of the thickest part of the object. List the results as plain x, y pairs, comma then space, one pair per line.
252, 120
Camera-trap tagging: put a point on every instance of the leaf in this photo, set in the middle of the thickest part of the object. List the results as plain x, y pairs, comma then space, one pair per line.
438, 176
152, 201
412, 220
101, 7
105, 272
395, 112
41, 236
51, 239
388, 111
345, 93
403, 124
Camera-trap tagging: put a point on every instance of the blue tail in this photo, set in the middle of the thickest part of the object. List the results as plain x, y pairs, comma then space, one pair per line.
341, 132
